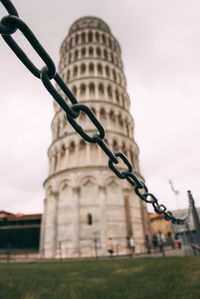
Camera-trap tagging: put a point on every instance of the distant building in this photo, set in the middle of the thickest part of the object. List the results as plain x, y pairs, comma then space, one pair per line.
19, 230
185, 231
158, 223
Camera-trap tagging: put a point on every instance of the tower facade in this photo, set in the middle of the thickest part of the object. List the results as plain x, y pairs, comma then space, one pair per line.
85, 203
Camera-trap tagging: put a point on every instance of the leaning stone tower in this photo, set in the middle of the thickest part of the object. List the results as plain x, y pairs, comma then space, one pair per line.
85, 203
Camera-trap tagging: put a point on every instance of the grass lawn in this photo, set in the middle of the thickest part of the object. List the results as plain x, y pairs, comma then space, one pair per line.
169, 277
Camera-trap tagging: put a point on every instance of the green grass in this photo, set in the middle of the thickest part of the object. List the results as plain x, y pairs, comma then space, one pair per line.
170, 277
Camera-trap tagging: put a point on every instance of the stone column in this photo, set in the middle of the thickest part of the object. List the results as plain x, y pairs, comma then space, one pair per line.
103, 230
75, 237
50, 229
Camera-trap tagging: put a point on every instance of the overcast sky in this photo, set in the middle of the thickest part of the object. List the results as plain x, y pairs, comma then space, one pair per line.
161, 54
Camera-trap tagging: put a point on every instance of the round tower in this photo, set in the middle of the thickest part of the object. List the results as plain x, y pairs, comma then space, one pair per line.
85, 203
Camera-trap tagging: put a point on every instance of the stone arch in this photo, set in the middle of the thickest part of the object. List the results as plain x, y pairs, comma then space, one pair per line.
77, 39
70, 57
91, 68
97, 36
93, 110
88, 180
83, 37
109, 90
111, 58
98, 50
91, 88
91, 51
82, 89
70, 42
90, 36
112, 115
101, 89
107, 71
72, 147
64, 184
68, 75
117, 95
74, 90
99, 68
124, 149
114, 75
105, 54
103, 39
75, 71
49, 190
102, 114
76, 55
83, 68
83, 52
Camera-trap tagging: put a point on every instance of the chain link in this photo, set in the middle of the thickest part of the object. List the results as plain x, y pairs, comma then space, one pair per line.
8, 25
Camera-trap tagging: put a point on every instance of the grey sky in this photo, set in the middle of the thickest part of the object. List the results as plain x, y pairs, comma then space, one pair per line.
160, 50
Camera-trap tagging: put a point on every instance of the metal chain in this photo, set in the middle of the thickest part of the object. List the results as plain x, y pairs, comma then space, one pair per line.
8, 25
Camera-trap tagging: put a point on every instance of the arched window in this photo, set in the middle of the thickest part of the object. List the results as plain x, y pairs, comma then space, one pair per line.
112, 115
82, 145
120, 120
111, 57
83, 52
89, 219
98, 52
109, 91
70, 57
83, 37
75, 71
124, 150
91, 67
74, 90
83, 89
97, 36
91, 88
123, 101
76, 55
62, 150
72, 147
90, 36
117, 95
93, 110
115, 146
107, 71
83, 68
101, 89
104, 39
90, 51
105, 54
70, 42
109, 43
102, 113
99, 68
114, 75
77, 39
68, 75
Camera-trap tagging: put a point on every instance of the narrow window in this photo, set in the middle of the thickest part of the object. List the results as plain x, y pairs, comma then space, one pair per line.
91, 67
90, 51
97, 36
83, 37
89, 219
99, 68
98, 52
90, 36
83, 68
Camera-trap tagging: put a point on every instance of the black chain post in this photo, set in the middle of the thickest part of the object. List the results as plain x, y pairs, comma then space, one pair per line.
8, 25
